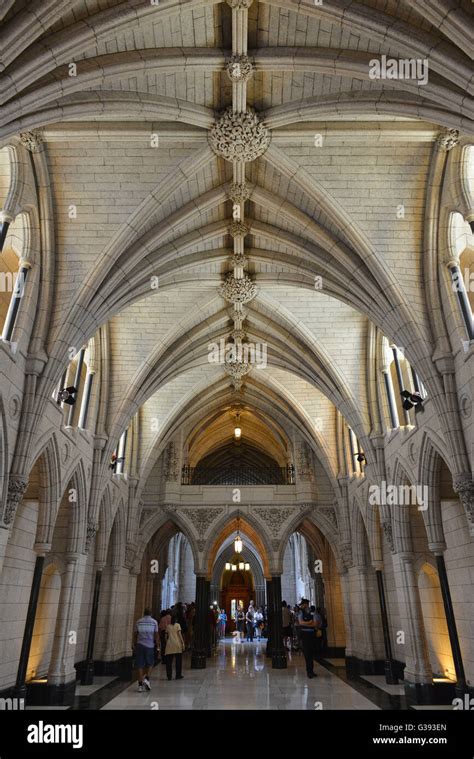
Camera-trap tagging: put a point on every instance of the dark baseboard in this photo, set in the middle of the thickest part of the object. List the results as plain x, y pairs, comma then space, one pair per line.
334, 652
43, 694
429, 693
122, 667
357, 666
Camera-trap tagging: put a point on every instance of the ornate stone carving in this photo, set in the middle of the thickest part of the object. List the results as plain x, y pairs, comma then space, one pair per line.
91, 532
238, 229
239, 193
17, 485
170, 472
448, 139
388, 532
130, 554
345, 550
239, 3
201, 544
238, 334
238, 290
239, 68
236, 371
31, 140
202, 518
330, 515
303, 463
274, 518
463, 485
239, 259
239, 136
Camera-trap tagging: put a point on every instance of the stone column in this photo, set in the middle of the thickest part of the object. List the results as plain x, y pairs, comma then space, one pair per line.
110, 638
278, 651
87, 677
269, 649
390, 676
20, 686
61, 668
461, 685
417, 663
198, 655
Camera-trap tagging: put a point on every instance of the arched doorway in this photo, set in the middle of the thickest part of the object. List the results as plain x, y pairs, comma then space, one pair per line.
237, 587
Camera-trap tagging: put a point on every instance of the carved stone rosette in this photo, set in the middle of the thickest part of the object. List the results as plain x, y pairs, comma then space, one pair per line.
16, 490
239, 136
448, 140
239, 68
238, 229
463, 485
238, 290
31, 140
239, 193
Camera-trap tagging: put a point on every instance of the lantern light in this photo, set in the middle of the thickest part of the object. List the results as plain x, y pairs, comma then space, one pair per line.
227, 566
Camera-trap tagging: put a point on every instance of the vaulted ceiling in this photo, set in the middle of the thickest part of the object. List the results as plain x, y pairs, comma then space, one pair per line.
125, 95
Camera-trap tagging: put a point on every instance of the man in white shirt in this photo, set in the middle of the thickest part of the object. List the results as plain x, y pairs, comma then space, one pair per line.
146, 639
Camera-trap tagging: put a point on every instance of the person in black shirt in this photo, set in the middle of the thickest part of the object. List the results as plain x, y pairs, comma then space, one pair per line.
306, 626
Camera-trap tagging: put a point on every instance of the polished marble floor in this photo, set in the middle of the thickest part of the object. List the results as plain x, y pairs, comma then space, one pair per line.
239, 676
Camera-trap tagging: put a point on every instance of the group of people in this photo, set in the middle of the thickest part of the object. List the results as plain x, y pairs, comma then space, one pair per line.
170, 637
304, 627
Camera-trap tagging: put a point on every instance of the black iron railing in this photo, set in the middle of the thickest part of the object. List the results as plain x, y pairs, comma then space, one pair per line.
238, 475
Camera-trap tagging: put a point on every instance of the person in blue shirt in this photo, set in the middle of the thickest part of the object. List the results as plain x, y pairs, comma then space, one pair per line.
222, 619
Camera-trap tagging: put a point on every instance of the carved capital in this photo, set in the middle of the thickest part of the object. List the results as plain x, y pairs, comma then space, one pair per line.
31, 140
388, 532
448, 140
17, 485
240, 4
91, 532
463, 485
345, 550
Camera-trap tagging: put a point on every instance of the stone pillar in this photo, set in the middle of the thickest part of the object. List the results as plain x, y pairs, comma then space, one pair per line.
20, 686
61, 668
269, 618
87, 677
198, 655
418, 671
461, 685
110, 638
278, 651
390, 676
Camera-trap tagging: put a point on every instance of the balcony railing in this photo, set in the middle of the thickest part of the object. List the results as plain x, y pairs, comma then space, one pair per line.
238, 475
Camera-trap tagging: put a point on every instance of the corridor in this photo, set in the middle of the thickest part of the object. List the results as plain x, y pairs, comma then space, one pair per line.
239, 676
